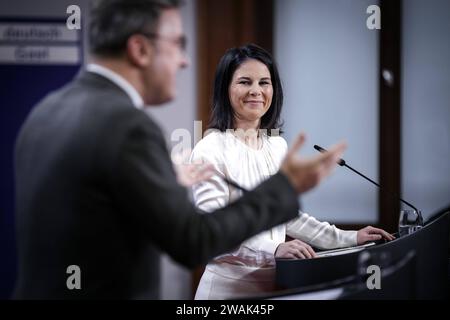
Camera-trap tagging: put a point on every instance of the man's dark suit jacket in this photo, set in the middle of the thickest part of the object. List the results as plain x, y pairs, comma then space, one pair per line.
95, 188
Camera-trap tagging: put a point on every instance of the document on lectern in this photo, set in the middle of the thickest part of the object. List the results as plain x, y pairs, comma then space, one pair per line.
336, 252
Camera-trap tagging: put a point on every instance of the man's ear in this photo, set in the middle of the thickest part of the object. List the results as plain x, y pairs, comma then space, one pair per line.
139, 50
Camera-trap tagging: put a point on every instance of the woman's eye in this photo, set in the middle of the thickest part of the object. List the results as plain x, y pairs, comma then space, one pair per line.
265, 83
244, 82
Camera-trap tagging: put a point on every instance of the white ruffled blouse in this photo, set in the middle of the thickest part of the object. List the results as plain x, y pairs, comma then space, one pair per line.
249, 167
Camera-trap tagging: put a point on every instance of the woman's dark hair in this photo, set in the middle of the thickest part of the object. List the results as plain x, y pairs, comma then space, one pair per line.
222, 112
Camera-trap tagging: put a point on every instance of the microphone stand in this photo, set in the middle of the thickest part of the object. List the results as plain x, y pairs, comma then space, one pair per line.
342, 163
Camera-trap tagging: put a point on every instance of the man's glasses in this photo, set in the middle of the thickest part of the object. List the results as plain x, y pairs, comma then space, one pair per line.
180, 41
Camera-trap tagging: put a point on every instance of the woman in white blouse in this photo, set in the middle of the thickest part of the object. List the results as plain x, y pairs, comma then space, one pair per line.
244, 145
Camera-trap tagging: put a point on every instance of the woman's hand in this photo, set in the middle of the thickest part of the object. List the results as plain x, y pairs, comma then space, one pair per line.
295, 249
370, 233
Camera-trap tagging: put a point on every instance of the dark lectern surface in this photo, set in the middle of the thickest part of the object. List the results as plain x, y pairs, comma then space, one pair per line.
430, 245
397, 283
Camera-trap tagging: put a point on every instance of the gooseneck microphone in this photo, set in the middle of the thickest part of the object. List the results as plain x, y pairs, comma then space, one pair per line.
342, 163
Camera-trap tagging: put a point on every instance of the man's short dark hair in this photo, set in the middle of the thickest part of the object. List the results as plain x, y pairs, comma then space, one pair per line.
112, 22
222, 113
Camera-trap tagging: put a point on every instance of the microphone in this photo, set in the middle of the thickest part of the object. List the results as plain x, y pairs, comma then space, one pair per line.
342, 163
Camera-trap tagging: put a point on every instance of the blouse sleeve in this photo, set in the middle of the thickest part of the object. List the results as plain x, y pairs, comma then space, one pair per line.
213, 193
320, 234
265, 245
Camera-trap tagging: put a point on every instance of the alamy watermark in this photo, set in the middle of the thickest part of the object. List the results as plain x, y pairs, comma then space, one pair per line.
74, 280
373, 22
374, 280
73, 22
183, 142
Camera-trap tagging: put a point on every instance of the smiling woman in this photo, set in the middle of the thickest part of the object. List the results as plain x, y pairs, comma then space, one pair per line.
251, 94
246, 148
248, 92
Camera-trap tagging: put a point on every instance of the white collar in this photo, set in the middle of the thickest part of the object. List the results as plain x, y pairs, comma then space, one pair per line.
120, 81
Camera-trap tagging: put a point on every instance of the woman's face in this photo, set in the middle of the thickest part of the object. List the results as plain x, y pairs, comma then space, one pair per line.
250, 91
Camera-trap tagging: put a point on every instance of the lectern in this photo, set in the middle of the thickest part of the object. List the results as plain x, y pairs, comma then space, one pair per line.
429, 246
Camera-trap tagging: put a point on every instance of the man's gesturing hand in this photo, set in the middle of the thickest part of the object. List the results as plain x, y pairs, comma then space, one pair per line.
306, 173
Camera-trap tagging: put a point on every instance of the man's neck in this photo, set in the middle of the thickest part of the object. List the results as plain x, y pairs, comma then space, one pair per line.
122, 75
123, 69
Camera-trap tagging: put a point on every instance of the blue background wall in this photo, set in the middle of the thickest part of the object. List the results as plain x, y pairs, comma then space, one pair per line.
21, 87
